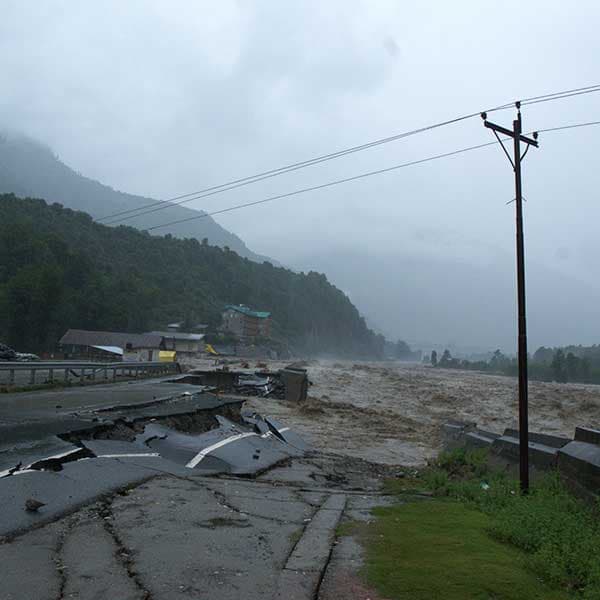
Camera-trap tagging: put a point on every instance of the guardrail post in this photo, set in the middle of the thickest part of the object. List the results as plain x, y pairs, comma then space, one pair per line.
11, 377
67, 375
82, 376
51, 375
114, 373
32, 376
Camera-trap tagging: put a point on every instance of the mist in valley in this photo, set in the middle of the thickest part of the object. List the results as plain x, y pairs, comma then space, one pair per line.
175, 98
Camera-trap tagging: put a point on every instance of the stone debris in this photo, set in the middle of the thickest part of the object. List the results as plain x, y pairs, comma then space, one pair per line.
33, 505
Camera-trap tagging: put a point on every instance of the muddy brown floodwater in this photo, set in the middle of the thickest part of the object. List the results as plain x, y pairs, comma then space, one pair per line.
391, 412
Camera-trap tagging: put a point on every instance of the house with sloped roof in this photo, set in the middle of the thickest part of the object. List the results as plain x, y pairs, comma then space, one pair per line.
185, 344
245, 323
110, 345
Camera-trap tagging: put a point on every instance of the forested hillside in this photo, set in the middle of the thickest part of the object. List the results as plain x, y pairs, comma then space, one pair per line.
28, 168
60, 269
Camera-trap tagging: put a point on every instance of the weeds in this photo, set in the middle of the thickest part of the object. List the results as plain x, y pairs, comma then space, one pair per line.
559, 533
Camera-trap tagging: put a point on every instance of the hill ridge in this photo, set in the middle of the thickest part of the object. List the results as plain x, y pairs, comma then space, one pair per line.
29, 168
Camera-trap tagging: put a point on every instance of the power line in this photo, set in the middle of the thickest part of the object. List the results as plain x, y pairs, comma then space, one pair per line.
355, 178
558, 97
323, 185
581, 89
218, 189
569, 126
177, 200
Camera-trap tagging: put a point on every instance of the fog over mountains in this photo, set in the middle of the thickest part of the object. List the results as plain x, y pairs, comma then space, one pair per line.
29, 168
426, 253
419, 295
468, 306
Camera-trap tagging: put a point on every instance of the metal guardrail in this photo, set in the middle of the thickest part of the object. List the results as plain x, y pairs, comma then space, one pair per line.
85, 370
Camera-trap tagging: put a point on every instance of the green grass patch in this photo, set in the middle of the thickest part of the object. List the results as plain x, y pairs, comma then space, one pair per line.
441, 549
559, 533
555, 536
399, 486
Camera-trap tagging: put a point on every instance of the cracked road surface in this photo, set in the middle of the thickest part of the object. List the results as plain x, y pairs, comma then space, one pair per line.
195, 537
156, 490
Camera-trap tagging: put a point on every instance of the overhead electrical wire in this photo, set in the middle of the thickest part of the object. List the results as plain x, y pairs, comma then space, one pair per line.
589, 88
569, 126
225, 187
561, 97
357, 177
218, 189
321, 186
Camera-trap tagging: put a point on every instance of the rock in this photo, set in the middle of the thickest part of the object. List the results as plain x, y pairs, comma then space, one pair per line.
33, 505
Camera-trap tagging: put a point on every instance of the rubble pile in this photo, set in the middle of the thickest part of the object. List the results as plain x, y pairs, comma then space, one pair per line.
289, 383
260, 385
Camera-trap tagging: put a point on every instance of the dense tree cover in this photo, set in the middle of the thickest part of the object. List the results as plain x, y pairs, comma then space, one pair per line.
402, 351
59, 269
579, 364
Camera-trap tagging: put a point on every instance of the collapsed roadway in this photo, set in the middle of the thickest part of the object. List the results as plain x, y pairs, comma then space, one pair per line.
166, 489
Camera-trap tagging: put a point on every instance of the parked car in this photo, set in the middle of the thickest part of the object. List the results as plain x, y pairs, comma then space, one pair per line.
7, 353
26, 356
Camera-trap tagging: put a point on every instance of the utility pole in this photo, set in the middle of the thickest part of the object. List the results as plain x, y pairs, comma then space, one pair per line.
518, 137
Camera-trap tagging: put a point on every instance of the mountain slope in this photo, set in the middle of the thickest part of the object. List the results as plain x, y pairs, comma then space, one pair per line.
28, 168
62, 270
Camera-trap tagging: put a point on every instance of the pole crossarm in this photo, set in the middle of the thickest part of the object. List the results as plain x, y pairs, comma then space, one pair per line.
510, 133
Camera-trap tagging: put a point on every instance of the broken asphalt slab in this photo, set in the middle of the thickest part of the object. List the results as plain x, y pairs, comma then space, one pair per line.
136, 477
231, 448
102, 454
24, 454
30, 423
34, 415
62, 492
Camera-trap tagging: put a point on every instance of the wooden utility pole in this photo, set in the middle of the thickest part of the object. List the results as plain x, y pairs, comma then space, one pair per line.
518, 137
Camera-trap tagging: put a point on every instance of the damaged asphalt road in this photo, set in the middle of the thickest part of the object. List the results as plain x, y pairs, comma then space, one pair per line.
125, 442
161, 490
189, 537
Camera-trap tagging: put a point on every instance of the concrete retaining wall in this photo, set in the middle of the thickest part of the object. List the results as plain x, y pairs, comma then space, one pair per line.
577, 460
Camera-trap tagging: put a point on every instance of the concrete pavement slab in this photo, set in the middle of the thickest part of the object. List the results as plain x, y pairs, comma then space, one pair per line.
29, 568
92, 570
312, 550
278, 504
187, 542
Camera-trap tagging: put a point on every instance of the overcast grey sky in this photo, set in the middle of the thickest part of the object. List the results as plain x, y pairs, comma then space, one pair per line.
164, 97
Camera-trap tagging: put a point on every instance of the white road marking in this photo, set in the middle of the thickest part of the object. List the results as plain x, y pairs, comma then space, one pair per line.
53, 457
28, 469
127, 455
209, 449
